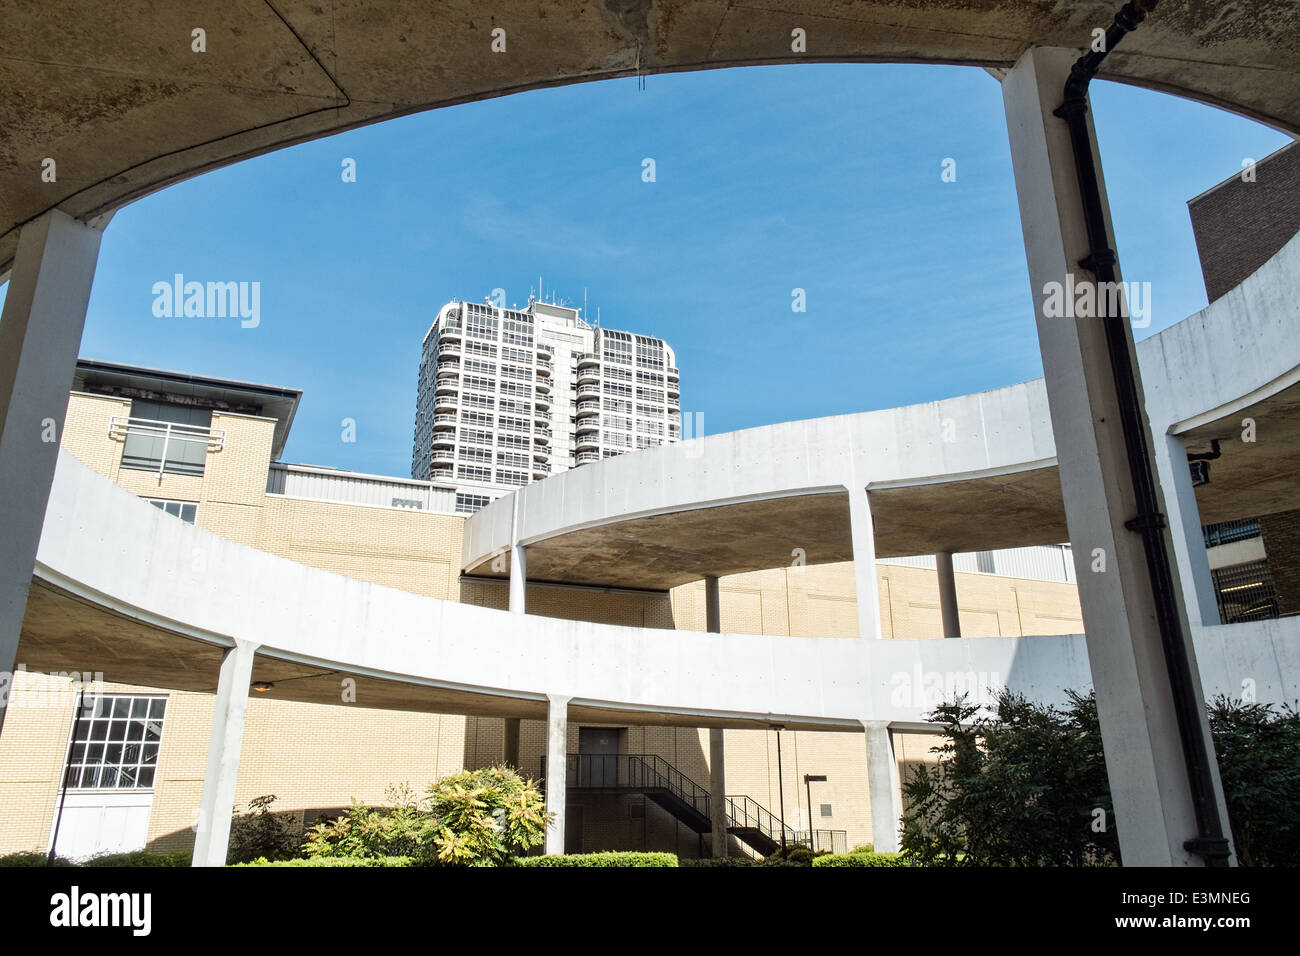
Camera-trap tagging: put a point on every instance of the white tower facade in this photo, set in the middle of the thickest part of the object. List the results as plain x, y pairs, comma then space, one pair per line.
509, 396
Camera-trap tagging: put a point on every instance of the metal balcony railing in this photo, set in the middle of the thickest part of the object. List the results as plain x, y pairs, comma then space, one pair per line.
186, 436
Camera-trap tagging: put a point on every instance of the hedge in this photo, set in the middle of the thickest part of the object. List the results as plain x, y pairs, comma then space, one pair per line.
613, 858
389, 861
860, 859
134, 858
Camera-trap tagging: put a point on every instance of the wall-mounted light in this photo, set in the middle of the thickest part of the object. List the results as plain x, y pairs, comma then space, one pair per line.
262, 686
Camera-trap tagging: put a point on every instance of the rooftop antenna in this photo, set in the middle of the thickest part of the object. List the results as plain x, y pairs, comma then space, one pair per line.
539, 288
584, 301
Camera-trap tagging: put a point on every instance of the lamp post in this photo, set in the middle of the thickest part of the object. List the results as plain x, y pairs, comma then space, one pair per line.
780, 782
808, 780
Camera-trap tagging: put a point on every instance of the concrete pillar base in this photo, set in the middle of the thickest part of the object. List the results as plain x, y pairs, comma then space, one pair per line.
557, 753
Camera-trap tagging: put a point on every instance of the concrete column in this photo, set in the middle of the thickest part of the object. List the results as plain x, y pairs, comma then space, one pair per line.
557, 753
1148, 778
883, 787
1185, 529
518, 579
218, 800
40, 333
947, 594
717, 750
863, 534
510, 743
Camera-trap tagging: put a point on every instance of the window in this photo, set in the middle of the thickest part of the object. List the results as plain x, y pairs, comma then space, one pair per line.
826, 810
185, 510
182, 430
468, 504
115, 743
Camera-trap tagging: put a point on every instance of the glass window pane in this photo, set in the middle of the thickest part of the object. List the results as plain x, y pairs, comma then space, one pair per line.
99, 730
130, 753
113, 753
173, 508
89, 776
108, 777
95, 753
117, 730
140, 707
135, 730
78, 753
121, 706
126, 777
157, 707
153, 730
188, 513
146, 777
149, 755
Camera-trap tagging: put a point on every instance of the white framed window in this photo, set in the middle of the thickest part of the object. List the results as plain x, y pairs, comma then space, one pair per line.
114, 743
185, 510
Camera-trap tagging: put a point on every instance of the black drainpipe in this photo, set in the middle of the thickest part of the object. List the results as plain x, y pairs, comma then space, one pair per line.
1209, 843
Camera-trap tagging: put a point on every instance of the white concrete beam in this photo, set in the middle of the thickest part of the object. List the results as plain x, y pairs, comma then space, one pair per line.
717, 745
40, 333
883, 787
1185, 528
557, 763
862, 531
1144, 760
218, 800
947, 594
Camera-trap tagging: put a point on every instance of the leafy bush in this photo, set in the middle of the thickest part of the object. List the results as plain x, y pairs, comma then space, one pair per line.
1023, 786
260, 833
611, 858
861, 858
387, 861
707, 862
1259, 764
141, 858
1020, 786
471, 818
32, 858
792, 856
132, 858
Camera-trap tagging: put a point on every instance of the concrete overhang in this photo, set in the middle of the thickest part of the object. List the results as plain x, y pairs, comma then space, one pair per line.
117, 97
972, 473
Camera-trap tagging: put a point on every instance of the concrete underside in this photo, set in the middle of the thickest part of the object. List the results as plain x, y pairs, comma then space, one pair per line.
64, 633
1011, 510
114, 93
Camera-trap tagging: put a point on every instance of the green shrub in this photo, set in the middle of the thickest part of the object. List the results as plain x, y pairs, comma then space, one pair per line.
471, 818
1259, 764
141, 858
263, 834
860, 857
32, 858
611, 858
707, 862
1021, 786
387, 861
792, 856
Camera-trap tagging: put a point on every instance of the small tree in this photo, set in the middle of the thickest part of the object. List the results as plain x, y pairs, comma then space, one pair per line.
1025, 785
1259, 763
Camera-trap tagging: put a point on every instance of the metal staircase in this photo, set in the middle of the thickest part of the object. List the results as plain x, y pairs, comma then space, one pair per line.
687, 801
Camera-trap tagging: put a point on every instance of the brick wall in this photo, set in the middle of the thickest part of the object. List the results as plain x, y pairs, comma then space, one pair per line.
1281, 533
1240, 225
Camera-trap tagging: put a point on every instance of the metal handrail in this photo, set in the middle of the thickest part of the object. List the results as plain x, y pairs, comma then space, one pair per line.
122, 426
650, 771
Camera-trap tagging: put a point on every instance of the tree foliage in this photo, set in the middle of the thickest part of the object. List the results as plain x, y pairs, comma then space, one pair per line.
1026, 785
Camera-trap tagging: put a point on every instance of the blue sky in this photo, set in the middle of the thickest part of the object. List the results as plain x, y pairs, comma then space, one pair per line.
820, 177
